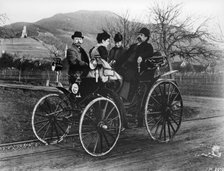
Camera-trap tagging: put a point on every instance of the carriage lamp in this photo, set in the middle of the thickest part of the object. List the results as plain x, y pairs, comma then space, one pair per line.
75, 88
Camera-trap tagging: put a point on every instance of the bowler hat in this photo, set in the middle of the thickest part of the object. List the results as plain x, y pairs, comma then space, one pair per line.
118, 37
77, 34
145, 31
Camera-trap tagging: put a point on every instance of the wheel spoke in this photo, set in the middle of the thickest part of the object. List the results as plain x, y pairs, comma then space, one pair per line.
112, 119
156, 101
56, 130
175, 96
173, 120
164, 129
168, 96
176, 115
60, 127
91, 140
153, 113
52, 131
109, 133
160, 118
95, 146
112, 129
157, 128
46, 131
59, 105
168, 125
48, 105
37, 114
89, 133
105, 137
111, 110
39, 122
164, 89
91, 119
161, 131
175, 103
104, 110
160, 89
151, 120
168, 120
101, 142
43, 127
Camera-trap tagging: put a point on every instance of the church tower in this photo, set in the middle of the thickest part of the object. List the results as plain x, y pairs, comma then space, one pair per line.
24, 33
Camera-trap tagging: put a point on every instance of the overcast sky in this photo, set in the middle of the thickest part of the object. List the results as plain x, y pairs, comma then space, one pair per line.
34, 10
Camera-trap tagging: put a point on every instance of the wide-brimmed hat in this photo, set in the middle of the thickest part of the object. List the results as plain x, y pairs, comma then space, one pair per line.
77, 34
145, 31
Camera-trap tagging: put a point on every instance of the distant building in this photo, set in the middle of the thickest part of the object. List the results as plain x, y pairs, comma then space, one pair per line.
24, 32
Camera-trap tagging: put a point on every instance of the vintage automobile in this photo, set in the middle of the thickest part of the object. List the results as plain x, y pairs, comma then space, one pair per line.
99, 112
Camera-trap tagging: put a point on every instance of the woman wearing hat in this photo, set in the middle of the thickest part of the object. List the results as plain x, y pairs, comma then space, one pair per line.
100, 53
117, 51
103, 40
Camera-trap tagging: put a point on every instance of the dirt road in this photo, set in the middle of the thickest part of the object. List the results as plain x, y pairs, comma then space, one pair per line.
135, 150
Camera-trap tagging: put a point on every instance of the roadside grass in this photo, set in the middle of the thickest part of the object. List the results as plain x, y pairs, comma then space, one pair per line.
16, 107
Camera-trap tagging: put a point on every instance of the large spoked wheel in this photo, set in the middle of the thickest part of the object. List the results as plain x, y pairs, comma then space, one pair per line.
163, 111
51, 119
99, 126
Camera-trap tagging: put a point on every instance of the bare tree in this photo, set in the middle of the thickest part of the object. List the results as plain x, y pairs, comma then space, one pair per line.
176, 37
3, 19
53, 45
5, 32
125, 26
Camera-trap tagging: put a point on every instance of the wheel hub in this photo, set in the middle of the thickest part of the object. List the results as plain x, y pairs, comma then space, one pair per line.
102, 125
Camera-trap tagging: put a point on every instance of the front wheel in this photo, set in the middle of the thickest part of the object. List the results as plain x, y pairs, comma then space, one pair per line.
99, 126
163, 111
51, 119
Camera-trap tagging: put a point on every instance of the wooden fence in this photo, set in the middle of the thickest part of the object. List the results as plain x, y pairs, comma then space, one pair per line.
198, 84
201, 84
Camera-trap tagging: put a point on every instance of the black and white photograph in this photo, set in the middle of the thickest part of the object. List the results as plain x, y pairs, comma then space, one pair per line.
112, 85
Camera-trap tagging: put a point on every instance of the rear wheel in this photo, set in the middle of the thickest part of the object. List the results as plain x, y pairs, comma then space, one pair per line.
163, 111
51, 118
99, 126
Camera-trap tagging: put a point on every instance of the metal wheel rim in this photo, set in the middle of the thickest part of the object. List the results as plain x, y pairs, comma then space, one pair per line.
92, 153
169, 126
43, 139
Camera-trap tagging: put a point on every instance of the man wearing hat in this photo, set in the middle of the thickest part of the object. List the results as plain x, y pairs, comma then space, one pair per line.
138, 51
132, 61
77, 57
117, 51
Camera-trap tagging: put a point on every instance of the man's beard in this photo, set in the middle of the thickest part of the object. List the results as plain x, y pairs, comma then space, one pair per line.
139, 40
78, 44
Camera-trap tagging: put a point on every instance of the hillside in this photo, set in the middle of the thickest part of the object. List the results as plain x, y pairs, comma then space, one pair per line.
86, 21
57, 30
26, 47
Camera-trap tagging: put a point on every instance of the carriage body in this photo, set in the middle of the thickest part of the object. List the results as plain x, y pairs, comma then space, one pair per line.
99, 112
